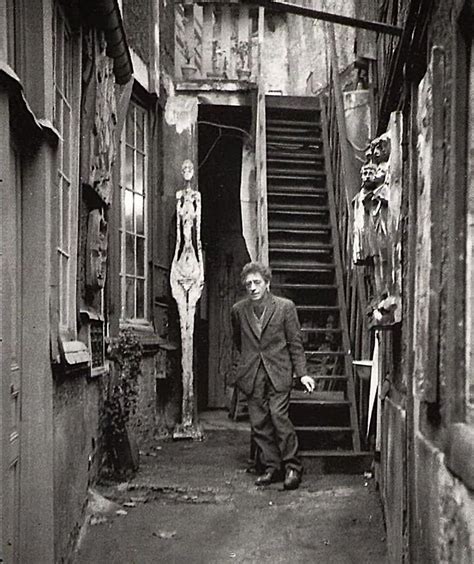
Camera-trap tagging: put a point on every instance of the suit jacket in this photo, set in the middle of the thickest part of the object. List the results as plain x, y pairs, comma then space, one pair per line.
279, 348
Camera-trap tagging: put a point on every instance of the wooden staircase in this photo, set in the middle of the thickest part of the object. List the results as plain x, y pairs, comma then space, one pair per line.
305, 260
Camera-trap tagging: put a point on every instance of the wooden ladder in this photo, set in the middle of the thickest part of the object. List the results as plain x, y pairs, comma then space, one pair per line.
305, 258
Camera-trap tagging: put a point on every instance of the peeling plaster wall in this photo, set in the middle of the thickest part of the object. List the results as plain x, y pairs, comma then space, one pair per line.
433, 521
444, 510
77, 405
295, 55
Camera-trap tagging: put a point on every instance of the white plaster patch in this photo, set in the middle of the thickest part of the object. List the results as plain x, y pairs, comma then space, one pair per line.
182, 112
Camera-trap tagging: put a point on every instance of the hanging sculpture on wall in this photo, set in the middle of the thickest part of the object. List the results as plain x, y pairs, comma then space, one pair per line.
376, 228
96, 250
187, 281
99, 116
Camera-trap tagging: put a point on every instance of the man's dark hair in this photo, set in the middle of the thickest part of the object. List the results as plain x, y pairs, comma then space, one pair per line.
256, 267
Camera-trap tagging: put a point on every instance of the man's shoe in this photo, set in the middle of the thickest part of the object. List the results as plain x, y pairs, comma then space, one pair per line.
267, 478
292, 479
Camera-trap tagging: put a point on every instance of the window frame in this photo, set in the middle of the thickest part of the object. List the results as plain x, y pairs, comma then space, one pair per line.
66, 95
125, 319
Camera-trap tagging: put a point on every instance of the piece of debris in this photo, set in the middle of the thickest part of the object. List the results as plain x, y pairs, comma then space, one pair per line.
139, 499
129, 504
100, 505
165, 534
368, 475
123, 487
97, 520
232, 555
121, 512
326, 542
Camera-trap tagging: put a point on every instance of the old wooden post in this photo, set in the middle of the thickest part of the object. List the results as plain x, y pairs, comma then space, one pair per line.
187, 280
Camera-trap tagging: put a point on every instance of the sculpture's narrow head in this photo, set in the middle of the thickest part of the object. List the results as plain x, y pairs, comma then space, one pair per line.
187, 170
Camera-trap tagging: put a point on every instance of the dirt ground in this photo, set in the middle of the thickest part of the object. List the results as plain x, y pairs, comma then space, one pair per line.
193, 502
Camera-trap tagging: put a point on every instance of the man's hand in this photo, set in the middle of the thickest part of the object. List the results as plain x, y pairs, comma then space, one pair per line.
309, 383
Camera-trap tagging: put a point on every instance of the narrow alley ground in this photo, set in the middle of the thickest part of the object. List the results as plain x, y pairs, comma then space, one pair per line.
193, 502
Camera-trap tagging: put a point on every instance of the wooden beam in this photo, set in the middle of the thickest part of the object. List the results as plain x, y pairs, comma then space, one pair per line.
286, 8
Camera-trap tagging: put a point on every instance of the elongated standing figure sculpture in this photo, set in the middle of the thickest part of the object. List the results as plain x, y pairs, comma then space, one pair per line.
187, 280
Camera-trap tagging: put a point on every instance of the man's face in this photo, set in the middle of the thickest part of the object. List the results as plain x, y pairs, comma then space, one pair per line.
256, 286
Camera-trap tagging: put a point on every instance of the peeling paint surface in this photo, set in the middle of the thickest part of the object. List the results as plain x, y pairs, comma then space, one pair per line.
181, 111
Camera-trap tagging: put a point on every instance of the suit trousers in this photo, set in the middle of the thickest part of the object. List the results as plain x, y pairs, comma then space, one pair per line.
272, 429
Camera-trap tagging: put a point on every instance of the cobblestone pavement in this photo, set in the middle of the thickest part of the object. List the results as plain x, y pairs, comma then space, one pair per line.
193, 502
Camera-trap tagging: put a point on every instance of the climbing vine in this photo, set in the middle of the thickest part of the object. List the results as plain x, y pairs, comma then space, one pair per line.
126, 351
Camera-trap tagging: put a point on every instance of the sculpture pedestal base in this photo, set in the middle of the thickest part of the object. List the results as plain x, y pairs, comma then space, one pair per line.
188, 432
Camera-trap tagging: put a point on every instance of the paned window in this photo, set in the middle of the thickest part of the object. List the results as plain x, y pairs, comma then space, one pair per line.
66, 121
133, 224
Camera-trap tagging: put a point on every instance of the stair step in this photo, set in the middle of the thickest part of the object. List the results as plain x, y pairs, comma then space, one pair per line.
329, 377
296, 160
313, 401
318, 429
291, 122
313, 267
317, 229
295, 189
298, 137
294, 173
307, 130
316, 193
321, 210
325, 353
299, 248
298, 286
297, 207
335, 453
319, 330
317, 307
277, 176
276, 152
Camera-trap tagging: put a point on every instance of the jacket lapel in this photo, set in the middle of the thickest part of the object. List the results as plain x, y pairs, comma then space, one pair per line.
251, 318
269, 311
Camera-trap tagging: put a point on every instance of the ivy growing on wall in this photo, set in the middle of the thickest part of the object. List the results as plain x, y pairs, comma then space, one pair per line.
126, 352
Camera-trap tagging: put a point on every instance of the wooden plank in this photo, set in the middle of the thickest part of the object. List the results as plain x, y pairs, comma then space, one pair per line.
207, 37
243, 29
287, 8
226, 28
189, 43
351, 176
261, 152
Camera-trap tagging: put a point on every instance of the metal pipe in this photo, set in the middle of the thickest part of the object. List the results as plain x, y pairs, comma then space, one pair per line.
286, 8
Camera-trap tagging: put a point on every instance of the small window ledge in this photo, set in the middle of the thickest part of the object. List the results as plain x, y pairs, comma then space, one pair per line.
460, 452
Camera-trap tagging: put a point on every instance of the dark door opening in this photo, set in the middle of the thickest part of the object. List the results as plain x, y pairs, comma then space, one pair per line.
221, 132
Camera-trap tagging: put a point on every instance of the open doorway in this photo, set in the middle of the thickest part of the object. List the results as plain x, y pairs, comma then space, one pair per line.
221, 133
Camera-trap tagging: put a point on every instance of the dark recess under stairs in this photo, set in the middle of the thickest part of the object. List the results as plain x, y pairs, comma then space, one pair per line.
304, 257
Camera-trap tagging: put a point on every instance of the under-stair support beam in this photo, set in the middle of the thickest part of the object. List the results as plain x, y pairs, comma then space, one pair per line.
340, 283
286, 8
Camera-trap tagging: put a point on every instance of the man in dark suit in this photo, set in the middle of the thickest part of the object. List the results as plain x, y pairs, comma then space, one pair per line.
267, 335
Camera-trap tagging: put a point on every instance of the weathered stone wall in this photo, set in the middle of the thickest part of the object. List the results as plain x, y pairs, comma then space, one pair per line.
77, 453
429, 513
444, 510
296, 52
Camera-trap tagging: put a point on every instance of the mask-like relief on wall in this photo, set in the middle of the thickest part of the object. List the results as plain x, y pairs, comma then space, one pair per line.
376, 213
96, 250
